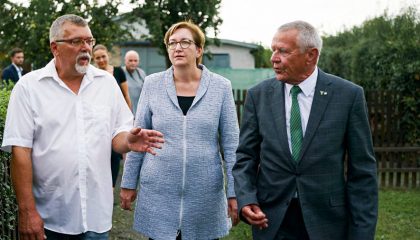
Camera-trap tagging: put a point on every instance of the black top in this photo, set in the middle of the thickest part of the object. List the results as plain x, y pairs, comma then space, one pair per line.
185, 103
119, 75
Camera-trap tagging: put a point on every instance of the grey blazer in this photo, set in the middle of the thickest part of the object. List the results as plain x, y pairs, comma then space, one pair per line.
335, 205
182, 187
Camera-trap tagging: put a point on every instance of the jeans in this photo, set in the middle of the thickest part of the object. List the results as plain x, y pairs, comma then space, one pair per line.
83, 236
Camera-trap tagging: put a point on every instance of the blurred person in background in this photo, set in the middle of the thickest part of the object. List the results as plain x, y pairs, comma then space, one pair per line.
135, 77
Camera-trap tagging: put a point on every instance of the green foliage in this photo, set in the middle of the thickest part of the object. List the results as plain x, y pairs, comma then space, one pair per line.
28, 27
383, 53
160, 15
262, 57
8, 207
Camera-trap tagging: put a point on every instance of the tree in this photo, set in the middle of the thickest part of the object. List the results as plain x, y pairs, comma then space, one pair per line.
160, 15
262, 57
28, 27
382, 54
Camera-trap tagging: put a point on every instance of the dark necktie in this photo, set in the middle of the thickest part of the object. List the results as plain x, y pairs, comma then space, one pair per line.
296, 133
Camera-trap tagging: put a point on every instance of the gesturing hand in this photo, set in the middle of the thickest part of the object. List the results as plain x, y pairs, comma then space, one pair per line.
144, 140
255, 216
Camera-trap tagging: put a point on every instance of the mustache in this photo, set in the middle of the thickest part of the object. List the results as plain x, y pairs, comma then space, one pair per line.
83, 55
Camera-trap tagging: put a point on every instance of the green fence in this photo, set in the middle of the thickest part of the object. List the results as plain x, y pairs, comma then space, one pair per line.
244, 78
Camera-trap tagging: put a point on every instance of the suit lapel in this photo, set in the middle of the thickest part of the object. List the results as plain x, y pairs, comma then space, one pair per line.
170, 86
204, 85
276, 93
322, 96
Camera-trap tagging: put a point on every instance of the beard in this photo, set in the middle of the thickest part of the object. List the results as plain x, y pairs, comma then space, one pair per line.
82, 69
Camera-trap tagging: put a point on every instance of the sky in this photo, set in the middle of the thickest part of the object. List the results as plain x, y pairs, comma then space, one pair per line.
256, 21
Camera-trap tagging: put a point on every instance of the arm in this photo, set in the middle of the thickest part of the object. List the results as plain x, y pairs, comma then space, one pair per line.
134, 160
124, 90
31, 226
229, 132
137, 140
362, 188
246, 166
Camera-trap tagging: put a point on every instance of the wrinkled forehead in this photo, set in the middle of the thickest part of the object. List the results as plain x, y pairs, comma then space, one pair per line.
70, 30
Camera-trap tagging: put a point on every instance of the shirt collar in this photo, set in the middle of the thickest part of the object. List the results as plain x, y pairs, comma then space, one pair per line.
308, 85
49, 71
17, 68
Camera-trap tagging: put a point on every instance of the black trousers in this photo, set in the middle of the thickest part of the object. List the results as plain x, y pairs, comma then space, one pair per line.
115, 166
293, 226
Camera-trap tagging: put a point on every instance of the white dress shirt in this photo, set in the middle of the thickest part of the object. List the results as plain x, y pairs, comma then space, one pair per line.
18, 70
305, 99
70, 136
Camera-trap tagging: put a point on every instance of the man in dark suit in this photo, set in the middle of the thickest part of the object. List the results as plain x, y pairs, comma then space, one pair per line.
14, 71
292, 177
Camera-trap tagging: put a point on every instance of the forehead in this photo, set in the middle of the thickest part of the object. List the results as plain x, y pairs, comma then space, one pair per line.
287, 38
19, 54
132, 56
71, 30
100, 52
181, 33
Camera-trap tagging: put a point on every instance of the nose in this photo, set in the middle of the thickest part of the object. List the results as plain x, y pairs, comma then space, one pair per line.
274, 57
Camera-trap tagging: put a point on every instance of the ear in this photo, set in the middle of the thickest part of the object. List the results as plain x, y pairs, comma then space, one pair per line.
312, 55
53, 48
199, 51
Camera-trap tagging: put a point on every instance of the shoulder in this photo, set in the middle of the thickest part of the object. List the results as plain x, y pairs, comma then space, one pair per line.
157, 77
264, 85
8, 68
338, 82
119, 74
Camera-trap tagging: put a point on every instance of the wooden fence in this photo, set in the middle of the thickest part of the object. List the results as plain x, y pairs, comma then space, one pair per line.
398, 162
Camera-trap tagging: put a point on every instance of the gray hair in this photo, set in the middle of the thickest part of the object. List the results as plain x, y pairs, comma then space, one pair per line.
308, 36
56, 31
132, 52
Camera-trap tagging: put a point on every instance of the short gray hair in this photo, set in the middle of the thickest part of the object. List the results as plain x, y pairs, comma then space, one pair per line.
56, 31
308, 36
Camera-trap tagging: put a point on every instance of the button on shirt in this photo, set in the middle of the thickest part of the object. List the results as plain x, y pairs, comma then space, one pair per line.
70, 136
305, 99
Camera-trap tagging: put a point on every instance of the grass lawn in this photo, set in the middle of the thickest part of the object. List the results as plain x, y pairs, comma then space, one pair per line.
399, 218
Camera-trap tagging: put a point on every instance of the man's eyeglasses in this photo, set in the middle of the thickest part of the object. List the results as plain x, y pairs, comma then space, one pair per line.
183, 43
77, 42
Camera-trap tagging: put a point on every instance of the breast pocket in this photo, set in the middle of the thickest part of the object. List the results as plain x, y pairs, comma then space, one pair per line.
97, 120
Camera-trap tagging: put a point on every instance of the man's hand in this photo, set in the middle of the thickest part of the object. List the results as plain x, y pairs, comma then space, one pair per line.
127, 196
233, 211
253, 214
31, 226
144, 140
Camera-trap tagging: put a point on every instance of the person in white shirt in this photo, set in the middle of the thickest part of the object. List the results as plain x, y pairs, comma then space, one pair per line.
61, 123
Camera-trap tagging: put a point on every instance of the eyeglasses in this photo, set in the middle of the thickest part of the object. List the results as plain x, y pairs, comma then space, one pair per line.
77, 42
183, 43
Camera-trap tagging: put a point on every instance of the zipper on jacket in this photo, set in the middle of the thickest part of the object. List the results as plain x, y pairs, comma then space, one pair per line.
184, 163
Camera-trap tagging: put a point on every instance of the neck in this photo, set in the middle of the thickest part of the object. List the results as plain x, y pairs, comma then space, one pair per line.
187, 74
73, 80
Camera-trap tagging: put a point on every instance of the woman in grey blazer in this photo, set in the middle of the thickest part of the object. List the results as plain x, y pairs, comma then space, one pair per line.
181, 189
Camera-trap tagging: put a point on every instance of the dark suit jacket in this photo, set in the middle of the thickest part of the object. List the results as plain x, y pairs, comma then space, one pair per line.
334, 205
10, 73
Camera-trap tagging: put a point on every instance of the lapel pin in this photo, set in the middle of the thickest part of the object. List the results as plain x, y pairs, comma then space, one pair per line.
323, 93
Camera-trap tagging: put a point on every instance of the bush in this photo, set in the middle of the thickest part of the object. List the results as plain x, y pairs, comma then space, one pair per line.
8, 207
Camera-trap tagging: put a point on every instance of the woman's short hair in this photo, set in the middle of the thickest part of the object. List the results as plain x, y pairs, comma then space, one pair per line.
198, 36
